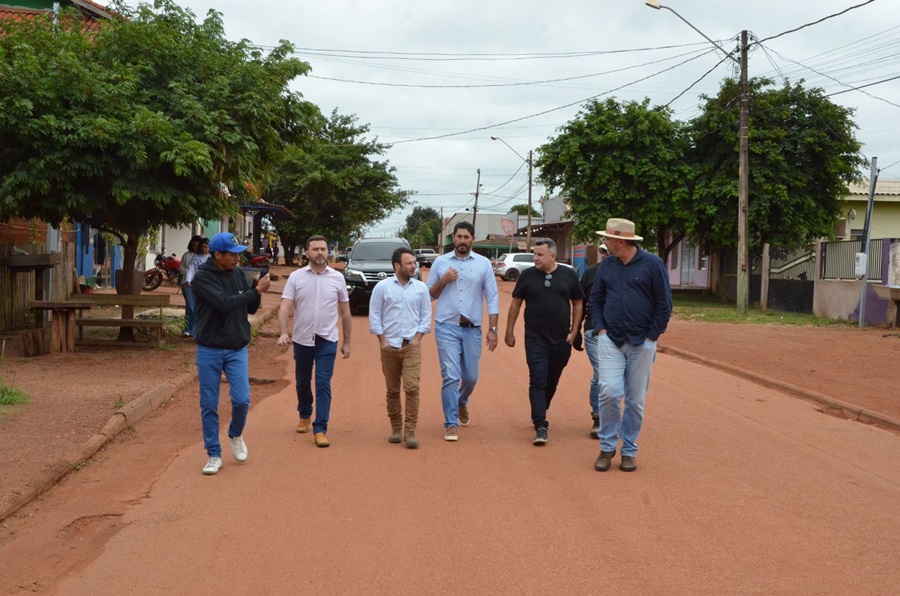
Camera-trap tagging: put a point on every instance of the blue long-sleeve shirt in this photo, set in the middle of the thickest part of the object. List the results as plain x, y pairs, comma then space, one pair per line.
632, 302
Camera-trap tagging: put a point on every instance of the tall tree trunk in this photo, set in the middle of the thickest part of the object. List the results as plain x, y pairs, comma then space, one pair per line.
130, 255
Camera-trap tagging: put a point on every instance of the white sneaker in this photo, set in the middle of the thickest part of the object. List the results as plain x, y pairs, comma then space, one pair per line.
212, 466
239, 448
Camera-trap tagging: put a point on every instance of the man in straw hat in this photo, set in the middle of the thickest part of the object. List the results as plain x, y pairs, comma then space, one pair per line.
631, 303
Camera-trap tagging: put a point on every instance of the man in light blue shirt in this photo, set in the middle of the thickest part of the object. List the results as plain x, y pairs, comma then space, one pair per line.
461, 282
400, 314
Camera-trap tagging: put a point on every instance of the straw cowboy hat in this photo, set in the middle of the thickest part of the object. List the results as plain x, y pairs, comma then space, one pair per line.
619, 228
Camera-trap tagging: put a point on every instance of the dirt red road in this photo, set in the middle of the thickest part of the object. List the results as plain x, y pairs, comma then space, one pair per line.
739, 489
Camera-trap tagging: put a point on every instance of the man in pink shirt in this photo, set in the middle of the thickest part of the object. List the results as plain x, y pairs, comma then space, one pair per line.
317, 294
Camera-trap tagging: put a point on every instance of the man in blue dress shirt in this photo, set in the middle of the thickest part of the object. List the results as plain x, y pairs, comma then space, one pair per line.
461, 281
400, 314
631, 303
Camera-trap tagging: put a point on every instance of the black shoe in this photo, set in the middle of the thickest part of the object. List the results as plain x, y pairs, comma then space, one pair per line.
540, 437
628, 464
595, 427
604, 461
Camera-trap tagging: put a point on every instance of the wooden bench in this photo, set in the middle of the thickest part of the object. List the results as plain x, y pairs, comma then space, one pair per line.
62, 326
159, 301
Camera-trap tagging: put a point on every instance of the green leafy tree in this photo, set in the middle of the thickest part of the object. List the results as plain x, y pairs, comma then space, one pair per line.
803, 154
622, 160
146, 120
423, 226
334, 185
522, 209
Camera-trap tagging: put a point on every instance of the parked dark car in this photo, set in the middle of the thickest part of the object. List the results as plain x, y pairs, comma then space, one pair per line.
425, 256
368, 264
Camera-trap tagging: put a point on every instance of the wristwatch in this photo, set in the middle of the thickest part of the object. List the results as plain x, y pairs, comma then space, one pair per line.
494, 330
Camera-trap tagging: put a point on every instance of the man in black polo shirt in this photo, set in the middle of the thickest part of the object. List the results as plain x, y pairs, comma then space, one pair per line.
553, 304
631, 303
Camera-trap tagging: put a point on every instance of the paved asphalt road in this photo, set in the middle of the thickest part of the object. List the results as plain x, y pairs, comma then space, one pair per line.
739, 489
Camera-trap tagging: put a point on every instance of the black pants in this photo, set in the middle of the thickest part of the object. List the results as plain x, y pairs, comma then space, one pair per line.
545, 365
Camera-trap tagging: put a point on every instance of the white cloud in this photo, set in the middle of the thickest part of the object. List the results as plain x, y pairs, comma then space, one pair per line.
530, 26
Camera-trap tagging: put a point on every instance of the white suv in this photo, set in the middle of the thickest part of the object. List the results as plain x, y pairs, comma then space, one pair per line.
509, 266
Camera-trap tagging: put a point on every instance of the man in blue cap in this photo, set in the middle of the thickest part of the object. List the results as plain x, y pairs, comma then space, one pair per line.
224, 298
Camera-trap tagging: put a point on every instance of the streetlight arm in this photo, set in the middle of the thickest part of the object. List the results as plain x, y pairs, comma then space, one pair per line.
493, 138
656, 5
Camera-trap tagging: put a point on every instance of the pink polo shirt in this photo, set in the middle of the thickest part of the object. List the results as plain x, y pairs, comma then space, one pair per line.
315, 297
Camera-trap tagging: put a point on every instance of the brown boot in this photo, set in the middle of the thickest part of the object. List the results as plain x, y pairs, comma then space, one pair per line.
411, 441
321, 440
304, 426
604, 460
395, 436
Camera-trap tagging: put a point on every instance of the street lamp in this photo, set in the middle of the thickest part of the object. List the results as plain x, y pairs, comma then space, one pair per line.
530, 162
743, 269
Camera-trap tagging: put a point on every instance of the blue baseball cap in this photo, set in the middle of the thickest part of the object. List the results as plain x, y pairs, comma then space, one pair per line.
225, 242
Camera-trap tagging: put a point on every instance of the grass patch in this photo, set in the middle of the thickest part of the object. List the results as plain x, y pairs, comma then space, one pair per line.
9, 395
692, 307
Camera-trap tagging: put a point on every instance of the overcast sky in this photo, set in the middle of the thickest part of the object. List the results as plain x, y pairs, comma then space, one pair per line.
412, 70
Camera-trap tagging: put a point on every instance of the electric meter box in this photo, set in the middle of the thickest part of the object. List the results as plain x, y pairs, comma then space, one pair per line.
861, 264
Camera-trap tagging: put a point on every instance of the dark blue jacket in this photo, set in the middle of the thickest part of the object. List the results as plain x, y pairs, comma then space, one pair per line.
632, 302
223, 301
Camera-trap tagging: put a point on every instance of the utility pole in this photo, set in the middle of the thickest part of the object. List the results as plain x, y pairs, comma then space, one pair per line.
743, 269
440, 239
475, 208
528, 232
863, 257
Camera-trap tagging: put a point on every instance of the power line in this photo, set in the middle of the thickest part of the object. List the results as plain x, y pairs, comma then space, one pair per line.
831, 16
706, 74
887, 80
455, 56
551, 110
515, 84
850, 87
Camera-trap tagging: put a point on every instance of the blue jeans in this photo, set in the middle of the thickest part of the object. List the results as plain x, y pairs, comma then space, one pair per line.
590, 348
321, 355
188, 294
624, 372
211, 363
545, 365
459, 349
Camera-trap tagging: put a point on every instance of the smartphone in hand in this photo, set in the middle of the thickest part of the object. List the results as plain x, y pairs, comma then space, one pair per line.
263, 271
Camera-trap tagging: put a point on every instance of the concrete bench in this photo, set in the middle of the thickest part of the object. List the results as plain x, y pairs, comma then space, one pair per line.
159, 301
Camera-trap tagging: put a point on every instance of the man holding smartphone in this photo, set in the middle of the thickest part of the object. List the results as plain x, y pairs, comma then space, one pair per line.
224, 298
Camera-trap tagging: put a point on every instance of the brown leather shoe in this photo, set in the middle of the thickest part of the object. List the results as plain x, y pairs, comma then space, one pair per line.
604, 460
304, 426
411, 441
628, 464
464, 415
595, 427
321, 440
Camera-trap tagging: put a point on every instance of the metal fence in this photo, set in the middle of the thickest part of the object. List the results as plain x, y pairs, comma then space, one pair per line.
838, 259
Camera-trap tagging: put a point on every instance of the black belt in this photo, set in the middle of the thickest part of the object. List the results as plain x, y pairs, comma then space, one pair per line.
464, 322
405, 342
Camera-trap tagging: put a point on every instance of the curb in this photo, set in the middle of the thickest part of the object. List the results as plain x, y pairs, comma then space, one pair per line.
126, 416
851, 411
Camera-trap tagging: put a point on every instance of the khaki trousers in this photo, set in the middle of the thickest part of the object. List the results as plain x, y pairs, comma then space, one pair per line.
402, 365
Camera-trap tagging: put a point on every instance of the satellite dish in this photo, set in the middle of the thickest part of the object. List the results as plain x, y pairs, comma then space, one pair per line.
851, 215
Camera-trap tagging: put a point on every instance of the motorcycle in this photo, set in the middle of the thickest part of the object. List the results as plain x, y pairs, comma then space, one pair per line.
249, 259
168, 268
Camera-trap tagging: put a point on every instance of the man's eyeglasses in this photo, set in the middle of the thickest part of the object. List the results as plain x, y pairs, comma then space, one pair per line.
547, 279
